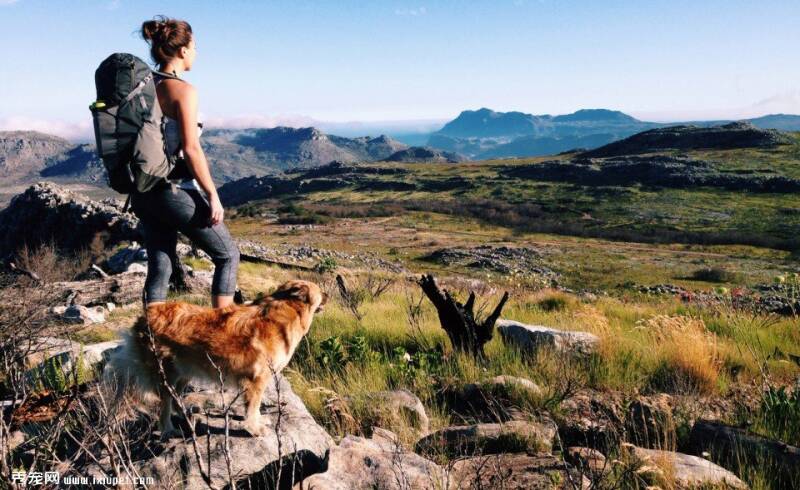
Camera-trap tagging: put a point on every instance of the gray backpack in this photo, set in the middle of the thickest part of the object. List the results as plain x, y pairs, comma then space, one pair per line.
129, 124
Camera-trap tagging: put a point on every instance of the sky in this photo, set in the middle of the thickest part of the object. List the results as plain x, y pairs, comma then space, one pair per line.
414, 64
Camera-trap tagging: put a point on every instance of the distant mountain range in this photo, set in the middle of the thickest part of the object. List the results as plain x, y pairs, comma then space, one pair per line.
485, 133
27, 156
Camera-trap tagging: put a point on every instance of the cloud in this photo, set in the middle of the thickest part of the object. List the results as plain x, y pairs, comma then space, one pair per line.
113, 5
258, 121
413, 12
7, 2
785, 103
77, 131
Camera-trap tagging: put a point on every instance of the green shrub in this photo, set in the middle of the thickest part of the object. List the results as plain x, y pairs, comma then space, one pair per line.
715, 274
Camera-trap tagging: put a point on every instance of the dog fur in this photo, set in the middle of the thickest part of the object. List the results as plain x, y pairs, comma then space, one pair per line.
248, 343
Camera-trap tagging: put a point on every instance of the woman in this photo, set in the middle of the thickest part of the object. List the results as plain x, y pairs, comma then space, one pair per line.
178, 204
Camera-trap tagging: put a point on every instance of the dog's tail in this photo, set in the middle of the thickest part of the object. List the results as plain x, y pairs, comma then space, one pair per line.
133, 369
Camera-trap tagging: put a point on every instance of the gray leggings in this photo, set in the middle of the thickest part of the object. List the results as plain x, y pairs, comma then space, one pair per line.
163, 212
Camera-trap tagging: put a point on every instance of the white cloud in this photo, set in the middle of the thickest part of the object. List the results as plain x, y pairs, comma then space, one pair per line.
113, 5
414, 12
8, 2
258, 121
77, 131
785, 103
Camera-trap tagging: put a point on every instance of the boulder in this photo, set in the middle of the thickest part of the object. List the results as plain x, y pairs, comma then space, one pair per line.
123, 259
70, 220
62, 363
470, 440
649, 422
530, 338
592, 419
588, 460
302, 449
394, 408
82, 315
514, 472
379, 462
732, 446
496, 399
684, 470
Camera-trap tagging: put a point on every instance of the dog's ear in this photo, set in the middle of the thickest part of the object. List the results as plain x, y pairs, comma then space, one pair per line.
298, 292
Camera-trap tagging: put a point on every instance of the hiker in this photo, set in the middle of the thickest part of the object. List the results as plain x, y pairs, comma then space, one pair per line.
187, 200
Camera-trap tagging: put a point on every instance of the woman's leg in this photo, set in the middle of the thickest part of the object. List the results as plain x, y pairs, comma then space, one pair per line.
189, 211
160, 242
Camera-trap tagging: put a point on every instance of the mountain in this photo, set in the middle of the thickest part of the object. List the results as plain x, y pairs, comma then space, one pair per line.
26, 156
417, 154
783, 122
725, 137
596, 115
485, 134
486, 123
23, 153
282, 148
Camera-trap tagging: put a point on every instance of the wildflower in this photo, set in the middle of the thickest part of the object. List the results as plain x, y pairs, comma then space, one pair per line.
407, 357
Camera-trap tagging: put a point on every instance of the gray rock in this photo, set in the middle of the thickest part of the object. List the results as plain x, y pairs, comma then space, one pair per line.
394, 408
514, 472
84, 315
91, 358
588, 460
121, 261
496, 399
685, 470
70, 220
379, 462
300, 436
531, 338
469, 440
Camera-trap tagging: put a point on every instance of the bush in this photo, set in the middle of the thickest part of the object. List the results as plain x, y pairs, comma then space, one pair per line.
715, 274
293, 214
689, 359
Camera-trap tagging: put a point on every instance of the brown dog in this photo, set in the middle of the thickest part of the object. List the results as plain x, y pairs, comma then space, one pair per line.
247, 343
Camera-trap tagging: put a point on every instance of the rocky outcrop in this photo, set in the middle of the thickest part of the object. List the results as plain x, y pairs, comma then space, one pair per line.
517, 471
46, 211
531, 338
302, 442
334, 175
682, 470
496, 399
418, 154
393, 409
732, 446
652, 170
379, 462
725, 137
68, 360
592, 419
470, 440
28, 152
516, 261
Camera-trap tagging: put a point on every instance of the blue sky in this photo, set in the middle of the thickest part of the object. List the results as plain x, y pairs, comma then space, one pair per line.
295, 62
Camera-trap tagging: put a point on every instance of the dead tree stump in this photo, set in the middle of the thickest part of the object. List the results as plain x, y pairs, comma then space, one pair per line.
458, 320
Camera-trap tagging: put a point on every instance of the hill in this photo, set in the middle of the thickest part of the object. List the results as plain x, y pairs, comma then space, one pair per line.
27, 156
728, 136
486, 134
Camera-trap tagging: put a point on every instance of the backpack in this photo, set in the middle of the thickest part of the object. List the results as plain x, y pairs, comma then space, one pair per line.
129, 125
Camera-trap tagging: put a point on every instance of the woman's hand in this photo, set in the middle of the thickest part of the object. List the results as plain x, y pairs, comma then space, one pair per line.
217, 213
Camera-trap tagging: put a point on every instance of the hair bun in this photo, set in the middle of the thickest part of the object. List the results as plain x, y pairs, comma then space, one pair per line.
165, 36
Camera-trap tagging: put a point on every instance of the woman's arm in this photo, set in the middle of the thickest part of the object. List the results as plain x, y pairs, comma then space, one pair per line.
186, 109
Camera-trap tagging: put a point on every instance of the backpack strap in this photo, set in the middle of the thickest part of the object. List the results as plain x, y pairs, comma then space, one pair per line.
167, 75
138, 88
